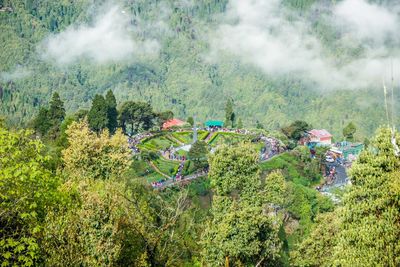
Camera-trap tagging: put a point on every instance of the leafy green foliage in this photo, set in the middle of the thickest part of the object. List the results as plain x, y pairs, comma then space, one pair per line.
136, 116
349, 131
90, 155
198, 154
28, 191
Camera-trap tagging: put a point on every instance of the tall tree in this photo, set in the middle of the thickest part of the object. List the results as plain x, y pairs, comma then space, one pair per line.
370, 217
198, 154
349, 131
240, 231
98, 114
90, 155
41, 123
229, 113
136, 116
28, 191
112, 113
190, 120
235, 169
296, 130
56, 110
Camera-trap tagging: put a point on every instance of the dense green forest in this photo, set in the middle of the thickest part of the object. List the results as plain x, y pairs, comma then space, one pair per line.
171, 64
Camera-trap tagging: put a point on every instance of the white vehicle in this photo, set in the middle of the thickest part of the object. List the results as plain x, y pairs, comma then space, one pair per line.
329, 159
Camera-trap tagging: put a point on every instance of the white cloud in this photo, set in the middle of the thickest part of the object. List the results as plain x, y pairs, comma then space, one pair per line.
18, 73
259, 32
108, 39
367, 21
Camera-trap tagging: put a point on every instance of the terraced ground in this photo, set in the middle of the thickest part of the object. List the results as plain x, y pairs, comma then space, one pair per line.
167, 139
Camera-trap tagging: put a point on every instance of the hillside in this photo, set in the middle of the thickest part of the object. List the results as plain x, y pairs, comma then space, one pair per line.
191, 56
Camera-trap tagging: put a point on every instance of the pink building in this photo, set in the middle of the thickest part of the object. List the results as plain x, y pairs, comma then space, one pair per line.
320, 136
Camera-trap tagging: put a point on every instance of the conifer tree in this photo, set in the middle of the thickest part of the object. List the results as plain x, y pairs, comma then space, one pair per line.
229, 114
41, 123
112, 113
56, 110
98, 114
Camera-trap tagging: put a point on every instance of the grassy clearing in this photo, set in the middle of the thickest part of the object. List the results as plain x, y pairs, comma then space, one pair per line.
143, 170
168, 167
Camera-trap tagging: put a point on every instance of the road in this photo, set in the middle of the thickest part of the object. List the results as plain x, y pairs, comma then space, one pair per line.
341, 177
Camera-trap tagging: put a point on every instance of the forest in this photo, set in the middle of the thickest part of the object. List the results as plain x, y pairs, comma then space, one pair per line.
91, 176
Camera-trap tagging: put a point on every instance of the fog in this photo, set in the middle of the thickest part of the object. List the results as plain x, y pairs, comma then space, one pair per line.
109, 39
272, 37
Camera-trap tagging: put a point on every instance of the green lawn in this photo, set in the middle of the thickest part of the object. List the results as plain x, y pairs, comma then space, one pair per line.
143, 170
157, 143
168, 167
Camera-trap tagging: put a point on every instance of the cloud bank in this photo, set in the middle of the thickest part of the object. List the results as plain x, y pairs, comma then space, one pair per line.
261, 33
109, 39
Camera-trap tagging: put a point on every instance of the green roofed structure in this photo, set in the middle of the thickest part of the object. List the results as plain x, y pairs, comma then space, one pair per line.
218, 124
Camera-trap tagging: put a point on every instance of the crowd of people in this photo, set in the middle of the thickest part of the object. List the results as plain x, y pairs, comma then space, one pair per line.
272, 147
134, 141
170, 153
178, 175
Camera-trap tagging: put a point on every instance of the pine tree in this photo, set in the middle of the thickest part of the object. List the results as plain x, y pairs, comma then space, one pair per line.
229, 113
98, 114
112, 113
56, 110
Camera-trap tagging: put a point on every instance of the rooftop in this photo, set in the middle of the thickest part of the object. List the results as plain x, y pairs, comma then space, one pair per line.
320, 133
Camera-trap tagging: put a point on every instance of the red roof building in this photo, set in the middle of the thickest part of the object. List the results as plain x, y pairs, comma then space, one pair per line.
320, 136
171, 123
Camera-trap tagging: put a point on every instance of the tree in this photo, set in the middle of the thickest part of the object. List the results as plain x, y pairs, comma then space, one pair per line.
164, 116
240, 231
259, 125
41, 123
240, 124
317, 249
112, 113
81, 114
234, 169
275, 188
296, 130
370, 217
47, 122
229, 113
56, 110
198, 154
28, 190
98, 114
95, 156
136, 116
190, 120
349, 131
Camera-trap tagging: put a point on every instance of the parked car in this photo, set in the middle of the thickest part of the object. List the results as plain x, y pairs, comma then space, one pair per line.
329, 159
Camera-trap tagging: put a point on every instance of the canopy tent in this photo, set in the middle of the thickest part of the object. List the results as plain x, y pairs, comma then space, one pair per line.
214, 123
